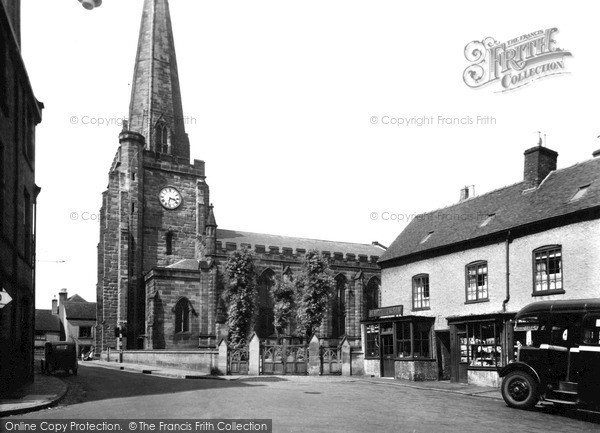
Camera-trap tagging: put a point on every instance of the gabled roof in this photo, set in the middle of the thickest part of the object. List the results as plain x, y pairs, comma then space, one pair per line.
80, 310
76, 298
46, 321
266, 240
512, 206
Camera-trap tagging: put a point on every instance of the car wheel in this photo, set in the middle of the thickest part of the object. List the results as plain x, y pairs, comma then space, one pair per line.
520, 390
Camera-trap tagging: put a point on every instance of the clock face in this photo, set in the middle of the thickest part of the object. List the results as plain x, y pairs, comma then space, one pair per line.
170, 198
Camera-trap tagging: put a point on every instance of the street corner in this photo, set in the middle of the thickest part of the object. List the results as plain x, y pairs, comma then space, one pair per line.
44, 392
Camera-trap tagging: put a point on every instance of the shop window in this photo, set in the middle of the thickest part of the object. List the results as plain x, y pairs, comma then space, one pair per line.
547, 270
413, 339
372, 341
421, 292
85, 332
182, 315
480, 345
477, 281
422, 336
403, 340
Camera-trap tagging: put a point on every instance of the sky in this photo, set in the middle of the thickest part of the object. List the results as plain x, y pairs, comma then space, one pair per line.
301, 111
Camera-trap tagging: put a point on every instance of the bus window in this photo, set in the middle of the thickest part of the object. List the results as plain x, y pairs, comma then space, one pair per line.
591, 333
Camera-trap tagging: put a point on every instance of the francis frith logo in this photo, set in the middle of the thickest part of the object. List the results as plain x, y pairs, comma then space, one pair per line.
515, 63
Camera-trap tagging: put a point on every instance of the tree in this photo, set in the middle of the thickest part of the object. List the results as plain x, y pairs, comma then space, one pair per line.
283, 296
313, 289
240, 295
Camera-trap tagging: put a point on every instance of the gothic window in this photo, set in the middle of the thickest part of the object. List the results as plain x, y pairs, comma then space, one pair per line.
372, 295
169, 242
183, 311
265, 321
338, 308
161, 138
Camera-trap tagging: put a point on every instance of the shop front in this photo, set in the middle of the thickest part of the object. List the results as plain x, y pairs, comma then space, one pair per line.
479, 345
399, 346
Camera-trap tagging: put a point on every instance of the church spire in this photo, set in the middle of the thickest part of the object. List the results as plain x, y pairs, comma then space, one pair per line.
155, 110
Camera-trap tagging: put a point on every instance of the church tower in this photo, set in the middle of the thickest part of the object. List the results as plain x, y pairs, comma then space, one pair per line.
155, 209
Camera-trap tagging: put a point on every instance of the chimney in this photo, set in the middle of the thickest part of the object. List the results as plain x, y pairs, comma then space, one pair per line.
465, 192
539, 162
55, 306
62, 297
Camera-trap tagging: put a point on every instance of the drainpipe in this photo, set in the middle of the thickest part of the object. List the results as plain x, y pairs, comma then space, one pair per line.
507, 272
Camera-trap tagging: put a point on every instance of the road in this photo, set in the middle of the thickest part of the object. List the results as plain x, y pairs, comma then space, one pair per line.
296, 404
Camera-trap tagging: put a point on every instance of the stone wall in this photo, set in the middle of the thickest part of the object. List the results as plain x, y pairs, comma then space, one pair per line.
203, 361
416, 370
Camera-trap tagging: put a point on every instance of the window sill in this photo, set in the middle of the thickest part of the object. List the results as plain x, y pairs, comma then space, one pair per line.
478, 301
414, 359
482, 368
548, 292
421, 309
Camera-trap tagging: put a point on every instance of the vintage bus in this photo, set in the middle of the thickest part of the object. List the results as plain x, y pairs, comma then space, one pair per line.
558, 356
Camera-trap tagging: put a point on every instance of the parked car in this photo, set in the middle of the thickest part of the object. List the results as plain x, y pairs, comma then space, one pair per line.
59, 355
558, 356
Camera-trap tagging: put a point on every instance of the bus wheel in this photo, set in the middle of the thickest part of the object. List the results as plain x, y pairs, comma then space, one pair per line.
520, 390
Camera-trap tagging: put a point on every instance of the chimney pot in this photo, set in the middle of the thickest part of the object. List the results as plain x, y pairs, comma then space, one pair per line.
62, 296
464, 194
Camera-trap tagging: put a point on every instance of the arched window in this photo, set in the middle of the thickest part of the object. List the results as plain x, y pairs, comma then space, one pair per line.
169, 242
338, 308
371, 296
183, 311
161, 137
265, 321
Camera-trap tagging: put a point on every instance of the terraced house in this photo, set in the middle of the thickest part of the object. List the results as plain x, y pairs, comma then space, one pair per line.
20, 112
462, 272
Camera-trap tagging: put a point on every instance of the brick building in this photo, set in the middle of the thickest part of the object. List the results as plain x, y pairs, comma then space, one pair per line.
20, 112
161, 255
462, 272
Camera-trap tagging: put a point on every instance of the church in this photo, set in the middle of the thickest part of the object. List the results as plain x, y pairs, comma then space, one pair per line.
161, 254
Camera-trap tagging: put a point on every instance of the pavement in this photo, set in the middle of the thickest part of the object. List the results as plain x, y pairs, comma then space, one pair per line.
42, 393
46, 391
